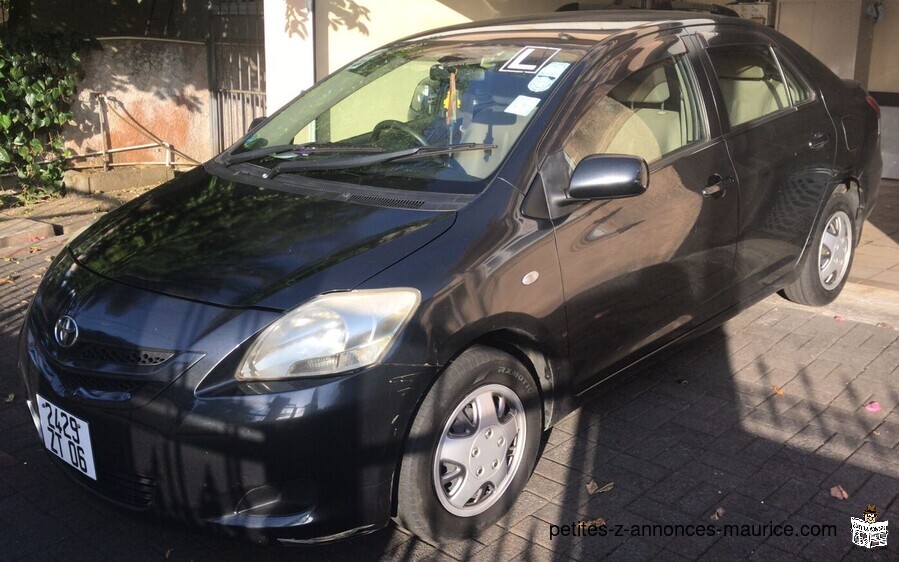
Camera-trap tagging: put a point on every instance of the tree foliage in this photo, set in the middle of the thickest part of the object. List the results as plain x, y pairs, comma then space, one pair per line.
39, 73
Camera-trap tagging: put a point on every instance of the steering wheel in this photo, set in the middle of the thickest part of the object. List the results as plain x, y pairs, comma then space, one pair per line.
396, 126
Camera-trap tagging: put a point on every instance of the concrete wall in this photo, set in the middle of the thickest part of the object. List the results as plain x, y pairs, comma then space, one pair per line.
835, 31
162, 84
889, 141
884, 75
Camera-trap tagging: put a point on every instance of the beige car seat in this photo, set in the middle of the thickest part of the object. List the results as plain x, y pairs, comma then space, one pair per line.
663, 121
748, 93
612, 128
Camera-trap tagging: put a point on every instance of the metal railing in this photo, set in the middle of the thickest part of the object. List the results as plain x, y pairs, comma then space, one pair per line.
110, 104
236, 68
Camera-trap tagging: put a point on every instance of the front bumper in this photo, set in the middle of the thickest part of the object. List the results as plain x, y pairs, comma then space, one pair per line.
306, 461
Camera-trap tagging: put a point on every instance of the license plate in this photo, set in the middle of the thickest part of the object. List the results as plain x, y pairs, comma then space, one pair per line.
66, 436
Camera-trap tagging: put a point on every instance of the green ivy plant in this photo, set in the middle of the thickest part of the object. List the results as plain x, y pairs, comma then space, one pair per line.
38, 74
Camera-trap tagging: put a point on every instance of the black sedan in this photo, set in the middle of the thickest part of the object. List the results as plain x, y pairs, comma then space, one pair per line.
375, 304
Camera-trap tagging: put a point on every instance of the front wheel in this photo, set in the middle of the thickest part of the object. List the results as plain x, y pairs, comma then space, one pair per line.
825, 269
471, 448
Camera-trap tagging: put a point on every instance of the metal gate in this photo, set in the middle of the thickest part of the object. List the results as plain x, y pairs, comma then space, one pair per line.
236, 68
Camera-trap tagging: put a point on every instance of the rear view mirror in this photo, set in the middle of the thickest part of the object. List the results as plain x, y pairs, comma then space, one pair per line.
256, 122
424, 100
609, 176
494, 116
438, 72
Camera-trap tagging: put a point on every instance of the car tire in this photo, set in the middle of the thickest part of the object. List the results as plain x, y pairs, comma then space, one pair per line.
825, 268
471, 448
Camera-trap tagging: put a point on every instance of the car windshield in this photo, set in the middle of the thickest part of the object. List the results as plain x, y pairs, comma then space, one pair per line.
437, 116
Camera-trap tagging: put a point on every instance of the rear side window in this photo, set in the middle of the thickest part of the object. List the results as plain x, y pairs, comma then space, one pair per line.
797, 85
751, 82
650, 113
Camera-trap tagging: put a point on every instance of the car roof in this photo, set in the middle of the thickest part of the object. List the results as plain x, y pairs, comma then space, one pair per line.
598, 24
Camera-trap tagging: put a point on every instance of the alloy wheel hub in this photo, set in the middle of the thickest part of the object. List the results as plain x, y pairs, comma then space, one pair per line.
480, 450
835, 250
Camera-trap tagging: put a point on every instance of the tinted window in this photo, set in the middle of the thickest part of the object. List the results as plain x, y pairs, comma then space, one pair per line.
651, 113
751, 82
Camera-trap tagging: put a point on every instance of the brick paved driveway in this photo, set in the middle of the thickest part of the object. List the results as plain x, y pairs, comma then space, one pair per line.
699, 430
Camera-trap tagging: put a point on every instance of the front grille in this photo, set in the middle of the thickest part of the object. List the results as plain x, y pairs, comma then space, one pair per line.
120, 356
130, 489
103, 384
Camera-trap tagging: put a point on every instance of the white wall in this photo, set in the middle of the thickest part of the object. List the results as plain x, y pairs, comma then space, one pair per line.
289, 50
305, 40
884, 75
347, 29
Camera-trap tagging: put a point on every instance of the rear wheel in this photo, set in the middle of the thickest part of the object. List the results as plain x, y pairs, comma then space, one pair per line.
825, 269
471, 448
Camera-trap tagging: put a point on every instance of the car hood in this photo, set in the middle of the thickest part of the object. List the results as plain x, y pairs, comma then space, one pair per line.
233, 244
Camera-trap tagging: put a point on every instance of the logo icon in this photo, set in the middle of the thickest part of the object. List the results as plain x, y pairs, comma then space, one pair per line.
868, 532
66, 331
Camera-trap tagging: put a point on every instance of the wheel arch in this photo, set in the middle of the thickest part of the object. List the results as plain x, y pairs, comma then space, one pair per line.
852, 187
529, 352
848, 184
520, 346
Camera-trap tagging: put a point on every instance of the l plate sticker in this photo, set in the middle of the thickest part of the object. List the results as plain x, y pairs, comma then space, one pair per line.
530, 60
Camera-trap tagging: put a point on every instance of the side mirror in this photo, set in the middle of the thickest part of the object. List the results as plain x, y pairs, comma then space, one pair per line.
609, 176
256, 122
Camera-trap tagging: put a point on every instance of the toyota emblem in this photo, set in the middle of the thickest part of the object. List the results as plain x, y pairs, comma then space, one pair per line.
66, 331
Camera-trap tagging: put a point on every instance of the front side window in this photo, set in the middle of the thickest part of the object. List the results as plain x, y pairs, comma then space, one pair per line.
650, 113
750, 81
360, 124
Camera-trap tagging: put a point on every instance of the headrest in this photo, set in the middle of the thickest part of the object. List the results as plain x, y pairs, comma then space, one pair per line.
659, 94
733, 68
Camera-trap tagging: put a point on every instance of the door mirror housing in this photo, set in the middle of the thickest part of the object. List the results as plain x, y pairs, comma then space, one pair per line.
609, 176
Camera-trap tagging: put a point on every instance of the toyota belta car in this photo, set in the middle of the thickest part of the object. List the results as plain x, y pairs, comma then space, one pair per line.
375, 304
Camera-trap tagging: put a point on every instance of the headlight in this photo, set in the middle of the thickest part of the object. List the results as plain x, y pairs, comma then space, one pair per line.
330, 334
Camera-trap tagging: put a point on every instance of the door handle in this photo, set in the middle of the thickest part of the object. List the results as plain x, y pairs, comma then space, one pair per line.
717, 186
711, 190
818, 140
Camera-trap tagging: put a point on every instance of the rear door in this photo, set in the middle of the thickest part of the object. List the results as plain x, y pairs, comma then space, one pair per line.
782, 142
638, 272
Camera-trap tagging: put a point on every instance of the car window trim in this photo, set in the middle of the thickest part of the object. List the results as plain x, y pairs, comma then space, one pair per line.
780, 54
708, 139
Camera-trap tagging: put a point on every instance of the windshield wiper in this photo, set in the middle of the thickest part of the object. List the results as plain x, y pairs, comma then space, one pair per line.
369, 160
298, 149
447, 149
